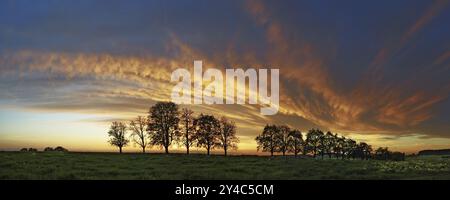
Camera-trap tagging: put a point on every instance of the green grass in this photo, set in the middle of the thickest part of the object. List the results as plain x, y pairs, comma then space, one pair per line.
59, 165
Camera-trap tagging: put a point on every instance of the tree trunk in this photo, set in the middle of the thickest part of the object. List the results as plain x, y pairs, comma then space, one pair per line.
143, 144
284, 153
187, 139
166, 142
166, 148
207, 149
271, 152
120, 149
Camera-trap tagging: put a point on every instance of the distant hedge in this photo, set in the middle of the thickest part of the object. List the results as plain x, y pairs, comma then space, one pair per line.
434, 152
47, 149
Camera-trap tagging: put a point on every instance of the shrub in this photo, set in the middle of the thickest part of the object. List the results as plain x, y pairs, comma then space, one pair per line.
48, 149
60, 148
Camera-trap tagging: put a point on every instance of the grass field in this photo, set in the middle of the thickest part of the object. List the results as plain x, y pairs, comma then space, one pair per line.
59, 165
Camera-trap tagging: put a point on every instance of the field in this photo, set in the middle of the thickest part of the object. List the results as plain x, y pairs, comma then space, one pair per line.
59, 165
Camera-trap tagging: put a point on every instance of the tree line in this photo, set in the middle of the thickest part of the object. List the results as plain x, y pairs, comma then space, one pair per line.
46, 149
166, 124
282, 139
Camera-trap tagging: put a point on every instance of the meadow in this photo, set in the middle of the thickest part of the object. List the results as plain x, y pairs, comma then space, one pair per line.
69, 165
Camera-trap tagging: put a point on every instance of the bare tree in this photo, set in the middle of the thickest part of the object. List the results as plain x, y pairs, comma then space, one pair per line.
138, 129
187, 122
228, 137
163, 124
267, 139
207, 129
117, 134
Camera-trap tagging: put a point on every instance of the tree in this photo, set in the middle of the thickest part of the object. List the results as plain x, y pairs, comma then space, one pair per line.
349, 148
117, 133
207, 129
228, 137
138, 132
187, 122
282, 139
339, 145
163, 124
295, 142
313, 141
48, 149
266, 140
382, 153
322, 142
61, 149
329, 143
364, 150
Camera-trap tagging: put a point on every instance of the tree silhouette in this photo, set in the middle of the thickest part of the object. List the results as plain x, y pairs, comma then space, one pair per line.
266, 140
349, 148
364, 150
295, 142
60, 148
339, 146
163, 124
228, 137
312, 142
322, 143
274, 139
138, 132
282, 139
382, 153
117, 136
48, 149
329, 144
207, 129
187, 122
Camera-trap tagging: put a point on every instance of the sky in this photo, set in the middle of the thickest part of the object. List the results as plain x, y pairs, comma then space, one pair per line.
374, 71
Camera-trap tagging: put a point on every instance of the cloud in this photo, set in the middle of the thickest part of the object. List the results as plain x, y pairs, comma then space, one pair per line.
311, 95
370, 106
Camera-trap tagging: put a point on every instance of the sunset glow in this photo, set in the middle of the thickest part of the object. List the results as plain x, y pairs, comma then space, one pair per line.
68, 70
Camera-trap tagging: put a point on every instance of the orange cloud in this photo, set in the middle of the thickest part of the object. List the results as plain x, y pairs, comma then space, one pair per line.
370, 106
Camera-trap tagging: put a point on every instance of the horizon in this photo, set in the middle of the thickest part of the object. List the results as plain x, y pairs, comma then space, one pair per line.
68, 69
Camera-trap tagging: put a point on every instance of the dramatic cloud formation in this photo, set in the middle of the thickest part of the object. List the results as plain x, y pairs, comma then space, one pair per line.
373, 78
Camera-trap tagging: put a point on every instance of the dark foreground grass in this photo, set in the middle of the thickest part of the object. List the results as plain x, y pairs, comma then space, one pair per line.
59, 165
